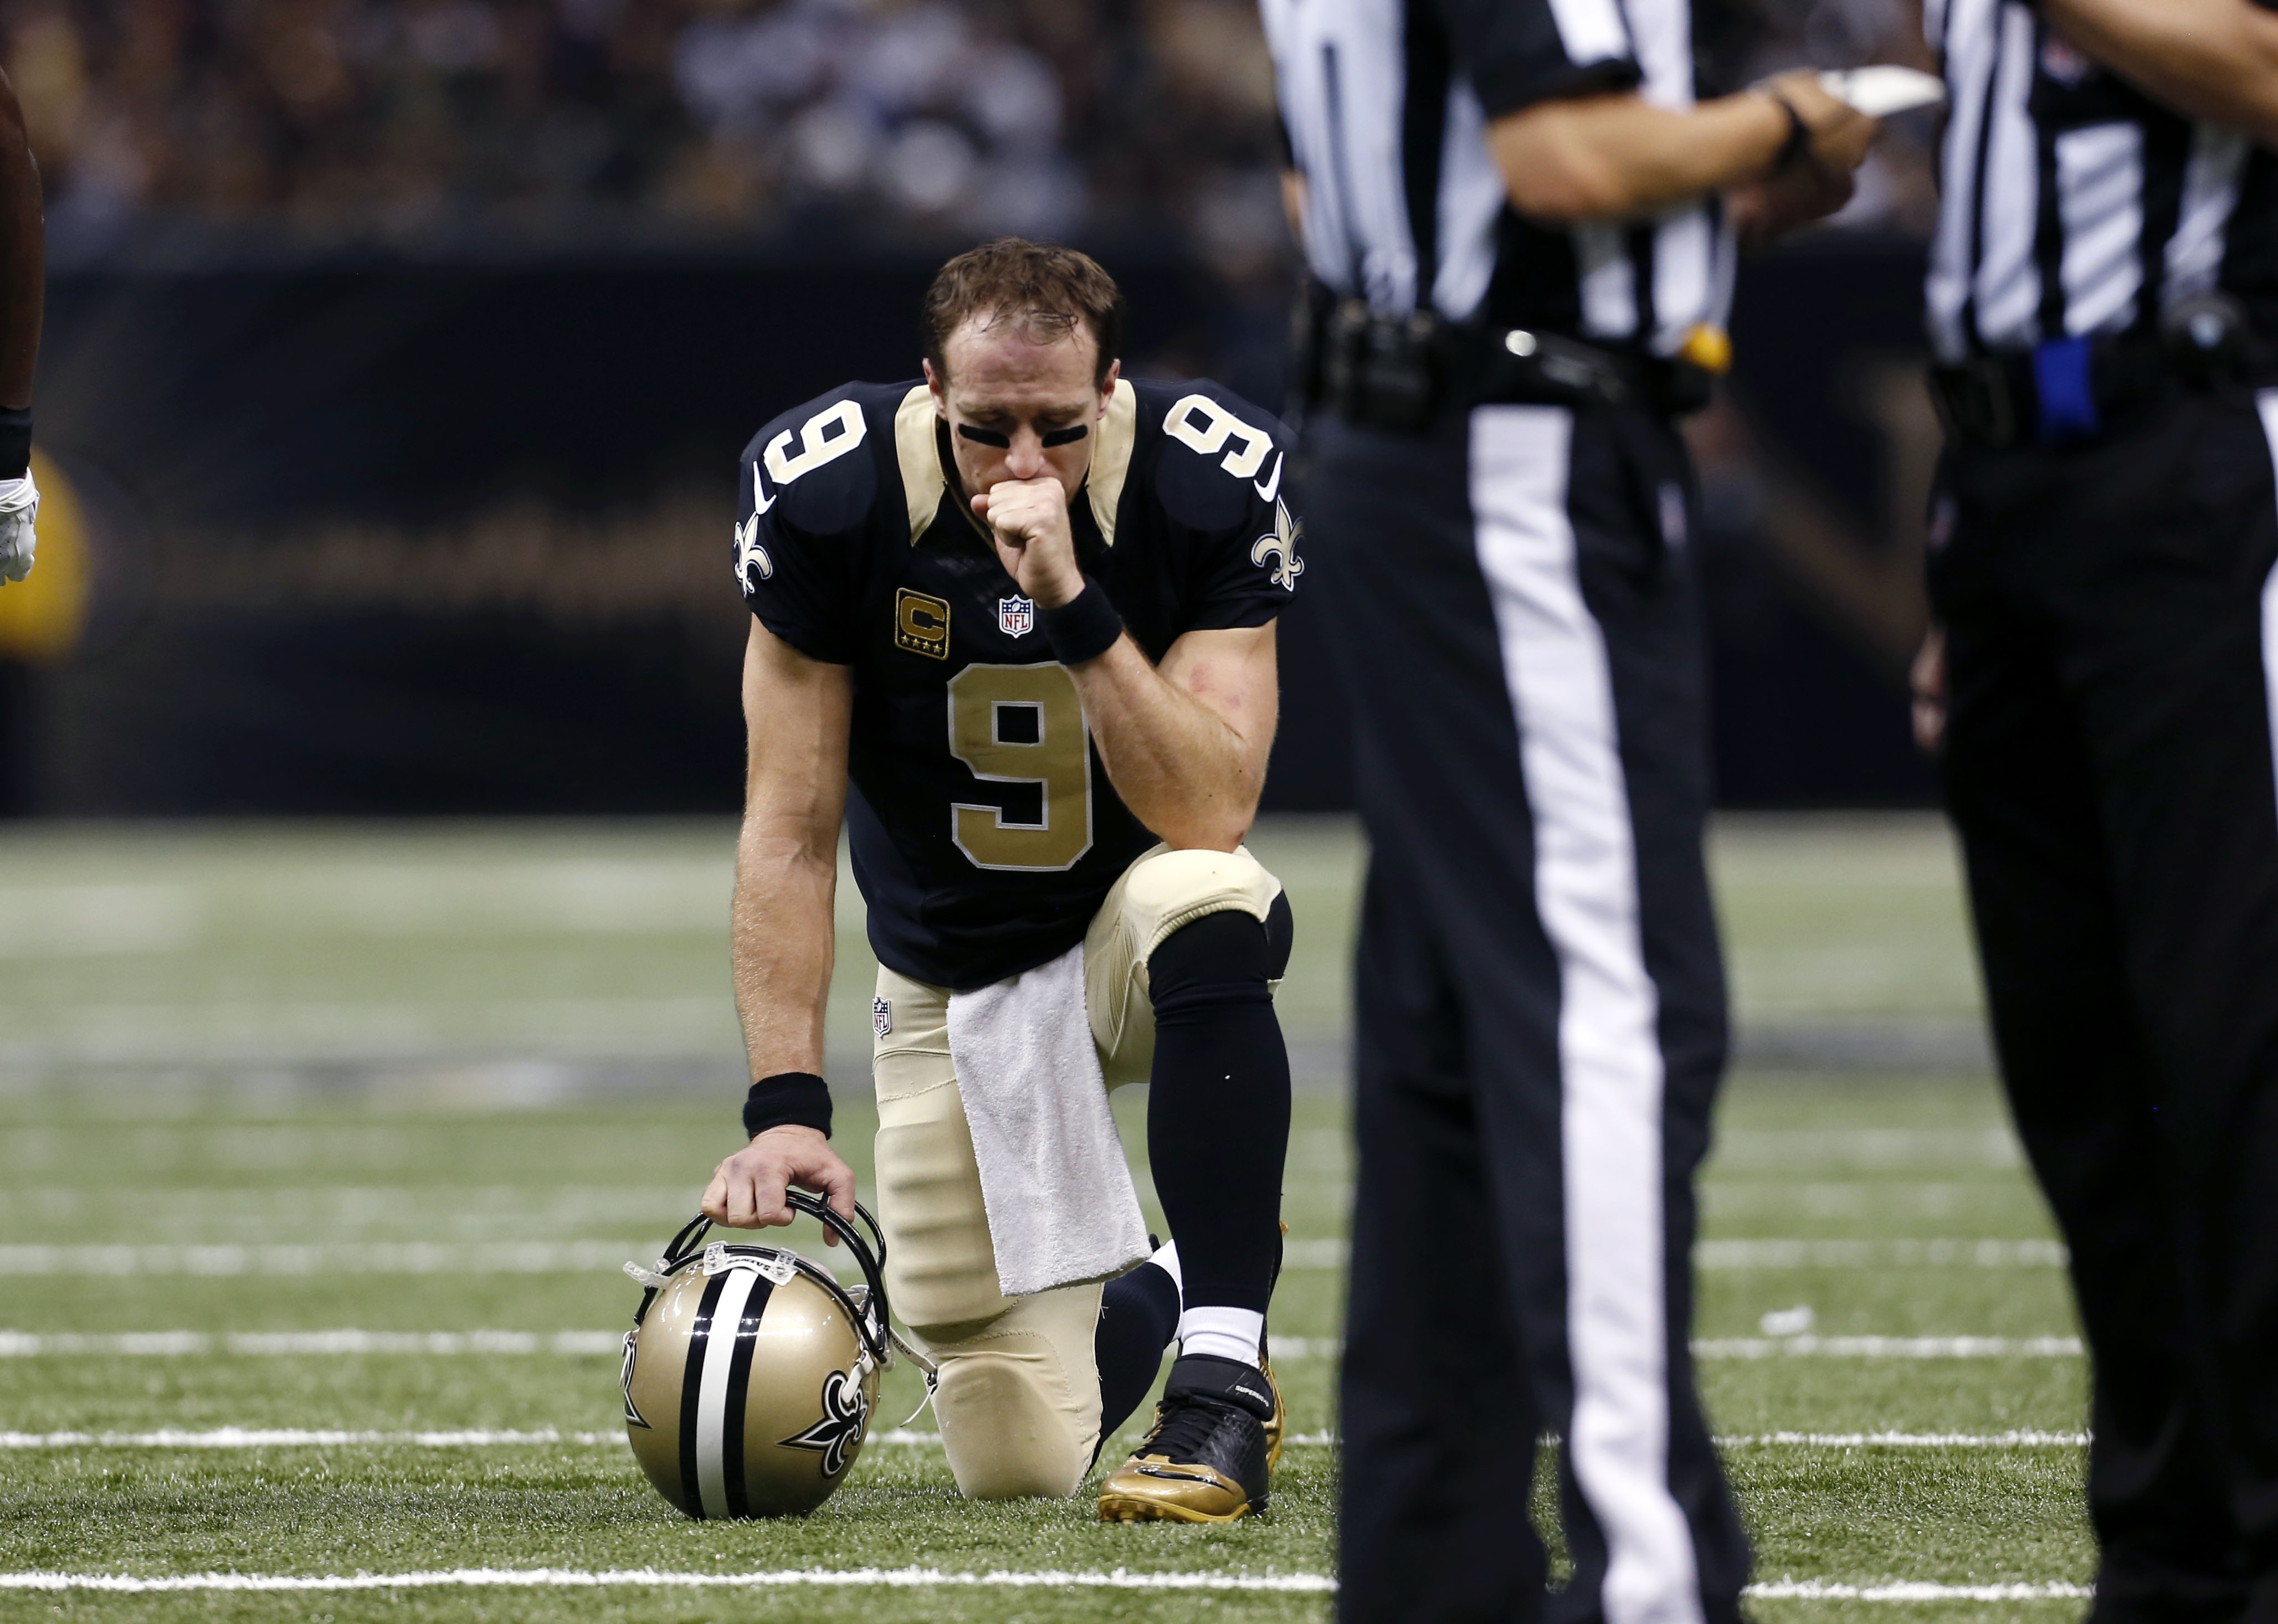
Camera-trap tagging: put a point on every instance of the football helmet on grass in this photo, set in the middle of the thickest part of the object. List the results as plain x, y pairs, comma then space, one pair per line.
750, 1371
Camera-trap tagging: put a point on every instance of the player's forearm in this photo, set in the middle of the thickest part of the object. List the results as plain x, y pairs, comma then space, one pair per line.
2215, 60
1618, 156
782, 945
1181, 769
23, 274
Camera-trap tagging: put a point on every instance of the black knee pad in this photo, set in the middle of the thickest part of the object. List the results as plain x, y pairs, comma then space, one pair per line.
1226, 957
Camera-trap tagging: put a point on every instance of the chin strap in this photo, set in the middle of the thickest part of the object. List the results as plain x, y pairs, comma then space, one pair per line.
897, 1343
932, 1372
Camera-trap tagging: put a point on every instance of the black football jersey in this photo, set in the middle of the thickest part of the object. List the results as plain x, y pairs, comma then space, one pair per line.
985, 833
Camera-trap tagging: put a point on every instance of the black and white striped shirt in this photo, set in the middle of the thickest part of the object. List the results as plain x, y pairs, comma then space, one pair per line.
1386, 103
2073, 204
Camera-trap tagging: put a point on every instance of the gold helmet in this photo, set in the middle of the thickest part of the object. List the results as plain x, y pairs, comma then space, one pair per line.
750, 1372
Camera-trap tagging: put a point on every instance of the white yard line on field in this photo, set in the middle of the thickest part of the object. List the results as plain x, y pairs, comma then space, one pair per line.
1887, 1347
337, 1344
416, 1257
1944, 1253
181, 1344
571, 1578
1787, 1150
1906, 1590
299, 1438
924, 1578
430, 1257
1938, 1253
1904, 1440
293, 1437
310, 1206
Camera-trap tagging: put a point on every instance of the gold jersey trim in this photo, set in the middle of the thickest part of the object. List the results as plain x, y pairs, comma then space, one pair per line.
1119, 432
917, 449
914, 448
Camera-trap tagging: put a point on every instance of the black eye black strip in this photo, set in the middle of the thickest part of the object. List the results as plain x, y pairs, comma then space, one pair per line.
1065, 437
987, 437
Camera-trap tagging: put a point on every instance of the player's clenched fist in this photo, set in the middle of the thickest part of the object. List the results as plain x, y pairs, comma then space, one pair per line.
1029, 521
746, 1190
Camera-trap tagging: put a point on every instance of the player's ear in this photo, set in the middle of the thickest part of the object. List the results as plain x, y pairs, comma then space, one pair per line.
1107, 384
934, 383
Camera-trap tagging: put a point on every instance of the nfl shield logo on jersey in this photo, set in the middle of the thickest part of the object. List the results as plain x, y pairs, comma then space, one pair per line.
882, 1016
1016, 616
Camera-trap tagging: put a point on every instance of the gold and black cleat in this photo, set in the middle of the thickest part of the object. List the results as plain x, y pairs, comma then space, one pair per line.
1277, 1424
1208, 1458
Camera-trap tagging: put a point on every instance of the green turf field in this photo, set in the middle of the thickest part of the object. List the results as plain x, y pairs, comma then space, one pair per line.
312, 1130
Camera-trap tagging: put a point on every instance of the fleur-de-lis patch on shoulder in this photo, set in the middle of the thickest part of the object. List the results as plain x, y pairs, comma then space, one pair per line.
753, 564
844, 1412
1281, 547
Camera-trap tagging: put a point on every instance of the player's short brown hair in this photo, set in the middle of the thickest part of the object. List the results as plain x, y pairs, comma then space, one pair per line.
1045, 289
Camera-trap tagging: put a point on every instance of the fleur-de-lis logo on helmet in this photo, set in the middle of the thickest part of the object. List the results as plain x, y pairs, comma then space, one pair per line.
844, 1412
633, 1417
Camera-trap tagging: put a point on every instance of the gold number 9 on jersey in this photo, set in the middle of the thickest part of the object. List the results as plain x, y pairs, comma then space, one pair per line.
1021, 725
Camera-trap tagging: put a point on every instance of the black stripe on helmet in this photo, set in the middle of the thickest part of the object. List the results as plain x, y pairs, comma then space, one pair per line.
691, 1389
739, 1380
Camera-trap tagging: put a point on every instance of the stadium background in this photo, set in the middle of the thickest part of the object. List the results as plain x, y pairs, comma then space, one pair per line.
399, 353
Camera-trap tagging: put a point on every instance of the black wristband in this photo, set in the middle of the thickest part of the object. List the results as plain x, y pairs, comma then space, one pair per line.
788, 1098
1084, 628
15, 441
1797, 148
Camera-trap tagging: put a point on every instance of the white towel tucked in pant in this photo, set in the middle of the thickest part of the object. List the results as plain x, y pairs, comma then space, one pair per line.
1061, 1206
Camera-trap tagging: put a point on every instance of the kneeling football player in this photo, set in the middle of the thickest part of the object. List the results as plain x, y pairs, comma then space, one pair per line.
1015, 625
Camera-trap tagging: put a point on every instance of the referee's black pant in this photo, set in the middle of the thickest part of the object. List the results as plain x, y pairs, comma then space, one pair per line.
2111, 627
1540, 1017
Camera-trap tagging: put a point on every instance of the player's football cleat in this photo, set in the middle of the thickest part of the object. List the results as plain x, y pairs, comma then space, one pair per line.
1206, 1459
1274, 1426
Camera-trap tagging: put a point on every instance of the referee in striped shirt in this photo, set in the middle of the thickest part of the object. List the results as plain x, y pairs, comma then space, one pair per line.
2103, 303
1516, 213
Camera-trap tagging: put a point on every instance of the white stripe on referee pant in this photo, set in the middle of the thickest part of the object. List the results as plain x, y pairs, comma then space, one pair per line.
1561, 683
712, 1417
2267, 400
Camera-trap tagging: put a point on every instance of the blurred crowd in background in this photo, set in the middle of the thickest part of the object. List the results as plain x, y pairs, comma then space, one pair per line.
435, 125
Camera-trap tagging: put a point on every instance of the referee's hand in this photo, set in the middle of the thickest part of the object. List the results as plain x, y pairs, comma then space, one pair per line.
1840, 134
1819, 181
1927, 680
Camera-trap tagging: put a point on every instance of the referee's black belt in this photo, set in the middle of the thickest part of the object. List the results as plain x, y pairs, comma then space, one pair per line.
1406, 372
2071, 390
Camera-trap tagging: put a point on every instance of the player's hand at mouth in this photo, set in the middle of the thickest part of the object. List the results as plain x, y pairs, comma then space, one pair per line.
748, 1189
1029, 521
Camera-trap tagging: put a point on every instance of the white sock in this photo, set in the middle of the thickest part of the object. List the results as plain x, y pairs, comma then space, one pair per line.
1167, 1260
1223, 1333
